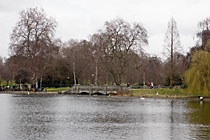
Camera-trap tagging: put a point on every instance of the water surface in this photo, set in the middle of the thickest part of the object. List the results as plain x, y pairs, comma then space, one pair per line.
63, 117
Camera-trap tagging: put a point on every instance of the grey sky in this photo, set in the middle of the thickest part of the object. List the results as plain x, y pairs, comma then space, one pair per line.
78, 19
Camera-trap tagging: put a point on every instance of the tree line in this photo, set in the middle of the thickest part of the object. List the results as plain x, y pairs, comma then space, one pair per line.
113, 55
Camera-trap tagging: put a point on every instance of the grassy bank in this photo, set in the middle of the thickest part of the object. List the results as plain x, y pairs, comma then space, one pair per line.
49, 91
60, 89
162, 93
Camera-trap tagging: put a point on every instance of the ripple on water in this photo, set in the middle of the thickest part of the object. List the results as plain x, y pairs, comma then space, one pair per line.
71, 117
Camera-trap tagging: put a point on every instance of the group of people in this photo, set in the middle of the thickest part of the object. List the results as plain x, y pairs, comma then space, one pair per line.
150, 85
17, 88
5, 88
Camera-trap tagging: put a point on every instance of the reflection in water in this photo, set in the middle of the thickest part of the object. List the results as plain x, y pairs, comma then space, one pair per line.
31, 117
200, 117
50, 117
5, 113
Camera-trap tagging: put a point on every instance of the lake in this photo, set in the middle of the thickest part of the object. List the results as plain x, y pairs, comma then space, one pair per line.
64, 117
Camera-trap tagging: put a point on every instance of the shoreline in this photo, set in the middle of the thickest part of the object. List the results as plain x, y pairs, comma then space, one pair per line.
161, 97
165, 93
27, 92
139, 94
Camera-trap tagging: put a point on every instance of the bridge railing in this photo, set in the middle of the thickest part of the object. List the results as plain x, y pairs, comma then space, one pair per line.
93, 88
100, 87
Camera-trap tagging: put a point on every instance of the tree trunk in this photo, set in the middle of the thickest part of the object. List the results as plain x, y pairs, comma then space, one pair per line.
37, 86
172, 56
74, 67
41, 83
74, 73
96, 74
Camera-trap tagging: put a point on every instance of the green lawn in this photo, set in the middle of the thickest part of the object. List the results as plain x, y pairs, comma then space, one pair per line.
162, 92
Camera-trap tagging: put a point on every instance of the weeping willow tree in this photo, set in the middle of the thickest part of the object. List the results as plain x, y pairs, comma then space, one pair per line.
198, 76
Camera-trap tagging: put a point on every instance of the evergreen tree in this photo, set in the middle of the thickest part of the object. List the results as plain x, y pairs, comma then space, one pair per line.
172, 45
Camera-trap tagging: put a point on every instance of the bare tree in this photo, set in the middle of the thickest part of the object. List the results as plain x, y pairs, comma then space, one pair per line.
96, 49
204, 24
1, 69
172, 45
32, 38
78, 56
119, 39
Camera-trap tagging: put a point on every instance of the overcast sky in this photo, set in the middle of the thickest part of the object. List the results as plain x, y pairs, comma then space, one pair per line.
77, 19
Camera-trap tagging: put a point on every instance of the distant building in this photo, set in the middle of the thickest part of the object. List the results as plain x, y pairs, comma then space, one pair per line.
205, 37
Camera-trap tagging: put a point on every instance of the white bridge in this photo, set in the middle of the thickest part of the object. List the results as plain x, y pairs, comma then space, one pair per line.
96, 90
